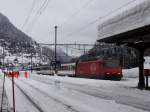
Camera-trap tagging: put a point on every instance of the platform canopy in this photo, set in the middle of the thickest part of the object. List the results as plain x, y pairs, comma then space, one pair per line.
131, 26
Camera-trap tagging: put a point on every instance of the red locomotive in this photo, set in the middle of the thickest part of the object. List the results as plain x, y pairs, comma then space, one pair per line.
104, 69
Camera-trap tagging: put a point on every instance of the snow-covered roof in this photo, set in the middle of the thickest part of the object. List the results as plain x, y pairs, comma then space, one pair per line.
131, 19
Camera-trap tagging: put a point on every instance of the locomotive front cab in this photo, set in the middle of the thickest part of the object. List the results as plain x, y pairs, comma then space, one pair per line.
113, 70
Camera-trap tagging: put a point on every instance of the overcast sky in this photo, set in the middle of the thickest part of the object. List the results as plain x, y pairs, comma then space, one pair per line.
71, 16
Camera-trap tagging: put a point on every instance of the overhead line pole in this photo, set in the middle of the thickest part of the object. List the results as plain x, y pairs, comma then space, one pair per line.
55, 49
31, 61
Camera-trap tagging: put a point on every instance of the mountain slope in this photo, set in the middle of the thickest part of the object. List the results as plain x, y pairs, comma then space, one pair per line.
14, 40
9, 31
17, 42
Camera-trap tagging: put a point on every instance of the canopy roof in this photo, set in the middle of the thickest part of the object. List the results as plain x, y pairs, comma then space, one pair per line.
132, 26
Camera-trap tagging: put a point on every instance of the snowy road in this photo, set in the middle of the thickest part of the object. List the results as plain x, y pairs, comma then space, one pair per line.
40, 93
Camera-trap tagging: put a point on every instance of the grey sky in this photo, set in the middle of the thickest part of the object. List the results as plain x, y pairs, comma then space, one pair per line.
41, 25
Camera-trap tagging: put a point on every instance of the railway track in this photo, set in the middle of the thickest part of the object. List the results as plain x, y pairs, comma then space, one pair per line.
76, 88
5, 106
68, 107
121, 99
30, 99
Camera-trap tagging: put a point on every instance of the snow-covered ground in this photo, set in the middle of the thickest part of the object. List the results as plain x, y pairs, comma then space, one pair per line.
39, 93
56, 97
5, 103
66, 94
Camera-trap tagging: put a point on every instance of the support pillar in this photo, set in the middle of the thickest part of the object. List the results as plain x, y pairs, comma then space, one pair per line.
141, 83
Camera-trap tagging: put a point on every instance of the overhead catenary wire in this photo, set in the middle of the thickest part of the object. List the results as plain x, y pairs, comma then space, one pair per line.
39, 12
77, 12
43, 7
79, 49
99, 18
29, 14
73, 48
37, 15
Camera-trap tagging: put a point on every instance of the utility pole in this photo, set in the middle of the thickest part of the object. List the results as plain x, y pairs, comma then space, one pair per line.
55, 49
66, 49
22, 54
84, 49
3, 58
40, 55
31, 56
31, 61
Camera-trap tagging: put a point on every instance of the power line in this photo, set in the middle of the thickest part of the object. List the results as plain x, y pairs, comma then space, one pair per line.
99, 18
29, 14
78, 48
43, 7
77, 12
39, 13
76, 44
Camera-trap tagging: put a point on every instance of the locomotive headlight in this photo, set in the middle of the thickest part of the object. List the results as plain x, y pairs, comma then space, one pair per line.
108, 73
118, 73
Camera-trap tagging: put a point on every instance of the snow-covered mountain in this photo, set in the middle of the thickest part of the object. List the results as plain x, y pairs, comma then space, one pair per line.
19, 45
11, 37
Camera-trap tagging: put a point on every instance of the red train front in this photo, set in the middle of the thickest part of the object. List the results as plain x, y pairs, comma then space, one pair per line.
104, 69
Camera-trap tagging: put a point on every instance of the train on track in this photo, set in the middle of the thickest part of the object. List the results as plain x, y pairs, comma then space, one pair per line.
101, 69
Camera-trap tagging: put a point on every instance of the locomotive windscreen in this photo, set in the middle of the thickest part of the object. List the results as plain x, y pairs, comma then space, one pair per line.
112, 63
